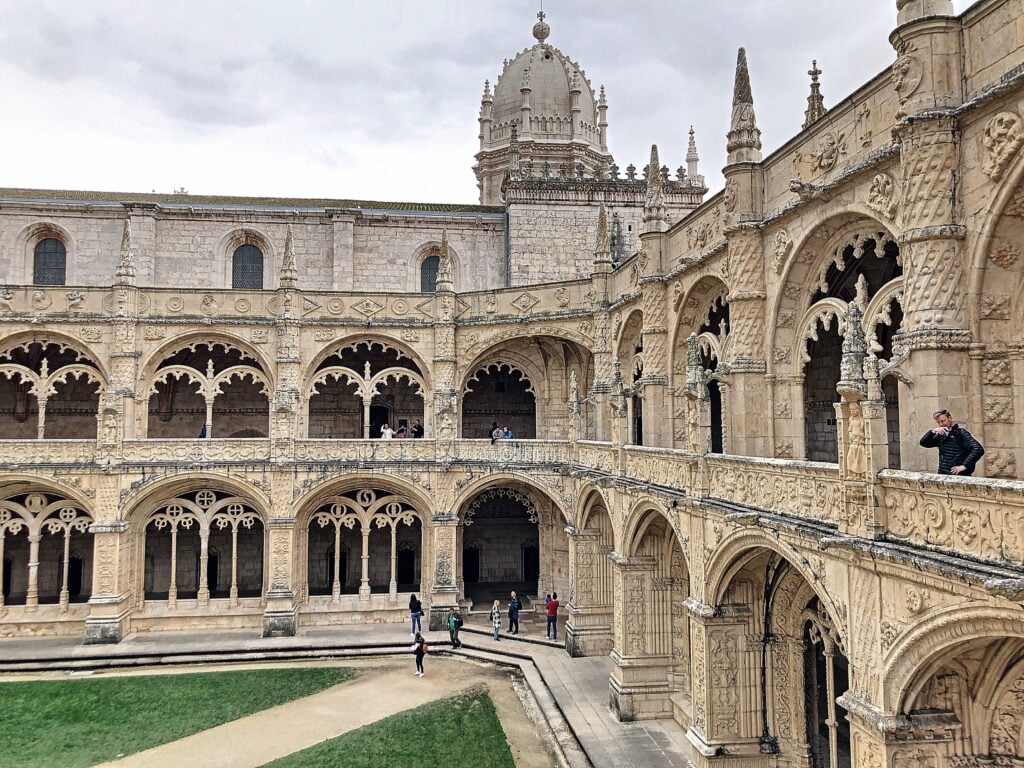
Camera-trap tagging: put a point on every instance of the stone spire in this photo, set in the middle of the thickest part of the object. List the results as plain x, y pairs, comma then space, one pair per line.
514, 168
125, 273
694, 179
602, 118
603, 245
744, 138
289, 274
654, 203
815, 102
445, 271
486, 114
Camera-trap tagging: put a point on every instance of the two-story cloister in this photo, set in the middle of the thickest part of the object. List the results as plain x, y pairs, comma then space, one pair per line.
716, 406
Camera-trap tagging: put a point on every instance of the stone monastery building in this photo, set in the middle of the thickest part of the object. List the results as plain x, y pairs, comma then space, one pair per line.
717, 405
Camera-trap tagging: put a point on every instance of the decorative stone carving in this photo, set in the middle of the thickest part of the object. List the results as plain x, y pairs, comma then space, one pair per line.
335, 306
995, 307
907, 74
1004, 135
1001, 463
998, 410
562, 296
1005, 255
996, 371
524, 302
91, 334
781, 246
259, 335
831, 148
882, 194
367, 307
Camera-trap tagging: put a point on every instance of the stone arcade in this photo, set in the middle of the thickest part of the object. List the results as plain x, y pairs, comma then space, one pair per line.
718, 403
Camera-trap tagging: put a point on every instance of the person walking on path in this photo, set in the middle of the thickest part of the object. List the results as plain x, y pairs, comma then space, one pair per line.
959, 450
454, 625
515, 605
552, 612
415, 615
496, 619
419, 647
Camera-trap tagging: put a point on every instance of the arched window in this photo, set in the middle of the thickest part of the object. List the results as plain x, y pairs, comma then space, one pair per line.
50, 264
428, 274
247, 268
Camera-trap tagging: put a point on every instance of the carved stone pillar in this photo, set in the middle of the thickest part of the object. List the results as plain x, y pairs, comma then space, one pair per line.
927, 79
639, 686
280, 618
588, 630
883, 740
108, 604
748, 393
444, 592
724, 688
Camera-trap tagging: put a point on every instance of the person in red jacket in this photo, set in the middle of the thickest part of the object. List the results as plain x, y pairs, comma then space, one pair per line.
552, 612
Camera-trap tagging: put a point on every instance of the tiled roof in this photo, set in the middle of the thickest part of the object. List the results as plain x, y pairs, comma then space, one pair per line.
84, 196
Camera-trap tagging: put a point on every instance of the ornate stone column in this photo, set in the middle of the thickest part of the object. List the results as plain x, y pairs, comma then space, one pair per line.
280, 615
444, 593
588, 629
287, 398
927, 80
598, 392
108, 604
724, 688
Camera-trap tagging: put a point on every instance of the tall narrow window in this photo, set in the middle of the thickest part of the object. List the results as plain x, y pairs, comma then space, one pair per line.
50, 264
247, 268
428, 274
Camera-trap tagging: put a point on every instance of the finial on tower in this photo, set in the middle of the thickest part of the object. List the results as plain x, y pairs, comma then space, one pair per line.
445, 271
744, 139
513, 154
125, 273
603, 245
487, 90
541, 29
815, 102
654, 203
289, 275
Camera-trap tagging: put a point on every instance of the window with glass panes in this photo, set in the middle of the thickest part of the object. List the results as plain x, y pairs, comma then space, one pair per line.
50, 264
247, 267
428, 274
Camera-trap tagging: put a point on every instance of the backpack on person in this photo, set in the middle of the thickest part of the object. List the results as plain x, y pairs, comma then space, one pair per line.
458, 620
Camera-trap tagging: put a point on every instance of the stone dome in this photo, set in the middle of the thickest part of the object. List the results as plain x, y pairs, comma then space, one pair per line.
551, 77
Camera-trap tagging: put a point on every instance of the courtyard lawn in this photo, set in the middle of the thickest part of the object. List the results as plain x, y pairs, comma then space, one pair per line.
461, 731
72, 723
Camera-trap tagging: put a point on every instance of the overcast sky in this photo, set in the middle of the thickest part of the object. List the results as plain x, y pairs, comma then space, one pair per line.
379, 100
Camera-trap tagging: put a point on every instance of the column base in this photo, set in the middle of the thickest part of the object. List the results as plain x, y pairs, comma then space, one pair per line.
588, 641
639, 690
439, 613
282, 623
103, 631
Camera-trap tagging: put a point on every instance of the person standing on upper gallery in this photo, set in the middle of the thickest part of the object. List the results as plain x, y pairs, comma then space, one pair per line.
959, 450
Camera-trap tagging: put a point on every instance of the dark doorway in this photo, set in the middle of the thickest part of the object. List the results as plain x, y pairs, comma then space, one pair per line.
405, 567
211, 572
471, 565
531, 563
379, 416
715, 405
7, 578
75, 577
342, 566
638, 421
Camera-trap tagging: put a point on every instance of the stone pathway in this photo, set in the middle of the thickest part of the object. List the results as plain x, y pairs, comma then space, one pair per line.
381, 690
578, 687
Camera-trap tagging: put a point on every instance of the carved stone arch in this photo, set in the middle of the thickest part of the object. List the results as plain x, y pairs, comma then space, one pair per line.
193, 339
630, 335
692, 311
811, 254
914, 649
505, 363
308, 500
247, 235
16, 483
31, 235
824, 314
352, 341
519, 481
24, 339
741, 546
138, 504
590, 497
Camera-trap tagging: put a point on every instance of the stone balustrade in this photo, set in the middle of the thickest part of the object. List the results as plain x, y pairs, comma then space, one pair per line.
981, 518
978, 517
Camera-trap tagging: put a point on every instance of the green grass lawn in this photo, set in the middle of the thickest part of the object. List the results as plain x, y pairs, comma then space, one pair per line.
462, 731
70, 723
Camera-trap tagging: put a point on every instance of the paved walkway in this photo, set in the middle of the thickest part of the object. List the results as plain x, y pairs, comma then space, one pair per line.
579, 687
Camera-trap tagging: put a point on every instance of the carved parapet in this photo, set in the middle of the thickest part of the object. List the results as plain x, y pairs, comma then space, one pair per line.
981, 518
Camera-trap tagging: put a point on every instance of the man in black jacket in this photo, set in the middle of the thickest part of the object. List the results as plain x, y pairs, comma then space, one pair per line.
959, 451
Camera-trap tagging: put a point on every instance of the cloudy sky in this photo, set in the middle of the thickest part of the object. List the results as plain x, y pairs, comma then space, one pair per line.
379, 100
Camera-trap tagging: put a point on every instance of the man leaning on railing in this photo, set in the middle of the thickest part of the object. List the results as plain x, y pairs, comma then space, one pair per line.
959, 450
